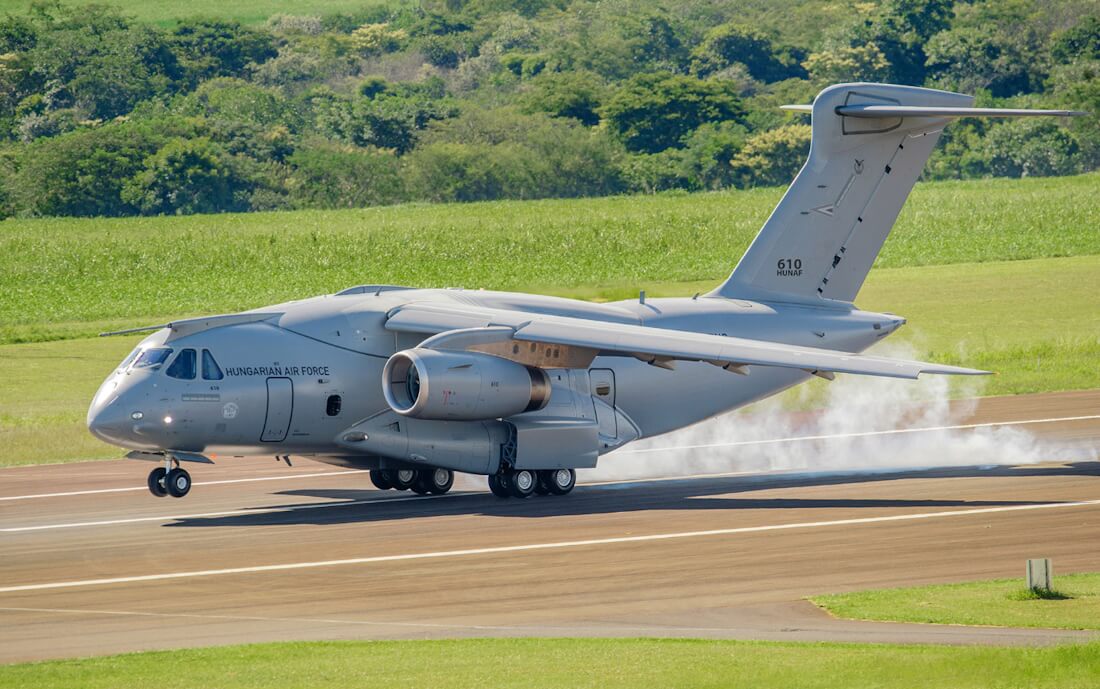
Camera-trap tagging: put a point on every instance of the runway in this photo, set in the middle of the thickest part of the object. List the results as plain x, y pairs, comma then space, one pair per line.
90, 563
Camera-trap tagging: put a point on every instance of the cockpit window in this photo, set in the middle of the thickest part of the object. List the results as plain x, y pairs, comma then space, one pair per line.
153, 357
210, 368
184, 365
129, 359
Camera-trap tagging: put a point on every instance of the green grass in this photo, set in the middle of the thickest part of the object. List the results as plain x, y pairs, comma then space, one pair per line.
968, 313
1001, 602
595, 663
168, 12
64, 277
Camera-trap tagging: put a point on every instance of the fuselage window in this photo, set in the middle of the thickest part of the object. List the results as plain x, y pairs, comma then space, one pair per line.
332, 408
210, 368
153, 357
184, 365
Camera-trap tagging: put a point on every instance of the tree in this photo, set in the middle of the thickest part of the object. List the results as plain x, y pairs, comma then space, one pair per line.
82, 173
1032, 148
1080, 42
861, 63
975, 58
209, 48
773, 157
652, 112
188, 176
729, 44
567, 94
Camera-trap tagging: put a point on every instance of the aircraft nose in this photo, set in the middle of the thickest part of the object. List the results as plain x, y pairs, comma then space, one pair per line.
108, 422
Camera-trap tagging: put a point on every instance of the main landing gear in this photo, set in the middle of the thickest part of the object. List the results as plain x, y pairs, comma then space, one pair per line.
170, 479
419, 481
522, 483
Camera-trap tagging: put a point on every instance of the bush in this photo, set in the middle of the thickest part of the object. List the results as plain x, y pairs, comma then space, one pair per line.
188, 176
323, 176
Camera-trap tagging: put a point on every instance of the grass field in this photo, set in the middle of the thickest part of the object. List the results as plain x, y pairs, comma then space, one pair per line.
962, 313
999, 603
797, 21
64, 277
589, 663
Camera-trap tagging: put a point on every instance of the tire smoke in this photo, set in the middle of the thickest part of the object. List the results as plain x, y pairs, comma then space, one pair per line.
865, 423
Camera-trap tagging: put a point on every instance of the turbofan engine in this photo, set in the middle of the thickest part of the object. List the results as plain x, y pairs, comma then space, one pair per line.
462, 386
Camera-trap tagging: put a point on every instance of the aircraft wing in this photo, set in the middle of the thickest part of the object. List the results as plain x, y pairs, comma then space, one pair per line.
658, 346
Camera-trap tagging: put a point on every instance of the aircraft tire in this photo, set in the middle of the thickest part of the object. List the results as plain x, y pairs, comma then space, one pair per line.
403, 479
156, 482
522, 483
423, 483
178, 482
497, 486
380, 479
439, 481
561, 481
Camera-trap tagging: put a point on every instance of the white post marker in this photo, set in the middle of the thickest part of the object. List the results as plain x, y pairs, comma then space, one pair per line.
1040, 575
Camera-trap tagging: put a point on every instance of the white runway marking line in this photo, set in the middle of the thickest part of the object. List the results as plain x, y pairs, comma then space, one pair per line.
539, 546
863, 434
195, 483
230, 513
770, 441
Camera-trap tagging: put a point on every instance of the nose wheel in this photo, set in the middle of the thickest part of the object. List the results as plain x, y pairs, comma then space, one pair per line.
169, 480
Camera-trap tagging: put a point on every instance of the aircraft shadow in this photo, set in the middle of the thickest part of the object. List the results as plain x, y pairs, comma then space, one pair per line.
346, 505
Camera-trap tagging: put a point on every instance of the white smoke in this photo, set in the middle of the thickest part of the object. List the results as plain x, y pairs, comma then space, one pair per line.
854, 427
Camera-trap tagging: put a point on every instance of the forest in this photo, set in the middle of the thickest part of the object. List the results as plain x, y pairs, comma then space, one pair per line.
102, 114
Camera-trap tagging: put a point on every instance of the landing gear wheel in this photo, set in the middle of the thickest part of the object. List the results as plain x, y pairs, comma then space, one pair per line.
498, 488
439, 481
156, 482
562, 481
542, 484
380, 479
178, 482
522, 483
403, 479
422, 485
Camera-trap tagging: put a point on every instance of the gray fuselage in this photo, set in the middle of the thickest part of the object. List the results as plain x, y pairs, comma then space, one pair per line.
279, 377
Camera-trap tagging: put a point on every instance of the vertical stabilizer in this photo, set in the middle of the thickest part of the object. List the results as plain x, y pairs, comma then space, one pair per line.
822, 238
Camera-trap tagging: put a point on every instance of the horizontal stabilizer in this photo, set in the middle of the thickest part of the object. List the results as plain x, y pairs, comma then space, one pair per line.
889, 111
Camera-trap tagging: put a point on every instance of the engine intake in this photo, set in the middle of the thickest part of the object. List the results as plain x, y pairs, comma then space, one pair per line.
461, 386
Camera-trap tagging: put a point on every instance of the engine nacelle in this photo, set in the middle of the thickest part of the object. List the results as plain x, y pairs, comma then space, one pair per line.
461, 386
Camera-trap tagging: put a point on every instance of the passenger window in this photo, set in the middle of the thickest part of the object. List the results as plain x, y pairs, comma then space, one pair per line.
333, 406
153, 357
184, 365
210, 368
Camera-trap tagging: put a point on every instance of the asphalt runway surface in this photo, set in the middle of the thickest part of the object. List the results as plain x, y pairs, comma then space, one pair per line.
90, 563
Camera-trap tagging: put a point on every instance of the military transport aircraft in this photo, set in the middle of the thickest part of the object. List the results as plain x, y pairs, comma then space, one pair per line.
416, 384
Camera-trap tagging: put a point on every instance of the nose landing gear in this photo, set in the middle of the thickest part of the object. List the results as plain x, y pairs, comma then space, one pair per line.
170, 479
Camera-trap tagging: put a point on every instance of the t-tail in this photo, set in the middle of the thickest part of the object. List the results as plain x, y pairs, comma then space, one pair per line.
868, 146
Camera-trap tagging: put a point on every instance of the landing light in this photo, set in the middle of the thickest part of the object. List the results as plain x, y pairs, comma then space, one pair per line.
168, 419
137, 416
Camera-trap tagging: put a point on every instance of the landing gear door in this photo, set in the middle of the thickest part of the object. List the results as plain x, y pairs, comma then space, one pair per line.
603, 390
280, 407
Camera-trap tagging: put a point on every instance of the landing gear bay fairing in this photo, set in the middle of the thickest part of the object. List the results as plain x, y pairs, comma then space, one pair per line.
416, 384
